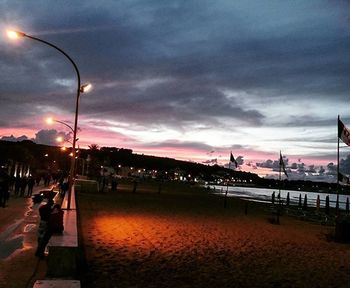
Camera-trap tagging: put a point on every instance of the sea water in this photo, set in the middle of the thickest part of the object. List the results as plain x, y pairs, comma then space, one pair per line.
265, 195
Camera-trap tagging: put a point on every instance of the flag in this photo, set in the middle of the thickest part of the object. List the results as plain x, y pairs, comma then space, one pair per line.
282, 166
232, 159
343, 133
343, 179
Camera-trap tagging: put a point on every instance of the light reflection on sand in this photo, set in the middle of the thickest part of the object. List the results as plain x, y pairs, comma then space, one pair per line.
29, 228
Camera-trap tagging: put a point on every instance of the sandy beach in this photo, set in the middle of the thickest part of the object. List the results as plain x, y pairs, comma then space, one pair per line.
183, 237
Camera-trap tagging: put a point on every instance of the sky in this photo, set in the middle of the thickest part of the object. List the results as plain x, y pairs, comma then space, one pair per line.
191, 80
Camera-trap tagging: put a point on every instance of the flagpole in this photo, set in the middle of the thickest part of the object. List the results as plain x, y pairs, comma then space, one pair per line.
225, 200
338, 170
279, 186
279, 189
280, 182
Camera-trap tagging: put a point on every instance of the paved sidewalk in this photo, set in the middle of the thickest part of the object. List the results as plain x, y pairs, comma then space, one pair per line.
18, 240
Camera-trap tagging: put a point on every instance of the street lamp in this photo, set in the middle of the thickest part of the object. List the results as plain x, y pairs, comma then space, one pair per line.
50, 121
80, 89
59, 139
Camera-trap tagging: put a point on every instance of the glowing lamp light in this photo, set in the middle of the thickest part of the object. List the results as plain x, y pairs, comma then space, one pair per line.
12, 34
49, 121
71, 154
63, 148
59, 139
85, 88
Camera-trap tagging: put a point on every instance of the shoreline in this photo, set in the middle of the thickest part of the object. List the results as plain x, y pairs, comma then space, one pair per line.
261, 194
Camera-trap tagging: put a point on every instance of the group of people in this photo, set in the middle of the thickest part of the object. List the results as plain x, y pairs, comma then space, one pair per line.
51, 214
21, 184
51, 222
4, 188
106, 180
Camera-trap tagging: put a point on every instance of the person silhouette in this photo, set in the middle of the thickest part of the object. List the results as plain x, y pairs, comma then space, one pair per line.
56, 219
44, 233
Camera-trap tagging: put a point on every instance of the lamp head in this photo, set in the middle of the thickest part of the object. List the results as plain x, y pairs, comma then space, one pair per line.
59, 139
85, 88
12, 34
49, 120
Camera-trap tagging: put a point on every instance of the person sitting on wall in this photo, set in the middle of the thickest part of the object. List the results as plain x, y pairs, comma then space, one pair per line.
44, 233
64, 188
56, 219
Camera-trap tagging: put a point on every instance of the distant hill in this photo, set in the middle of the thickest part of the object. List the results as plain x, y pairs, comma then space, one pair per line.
51, 159
40, 157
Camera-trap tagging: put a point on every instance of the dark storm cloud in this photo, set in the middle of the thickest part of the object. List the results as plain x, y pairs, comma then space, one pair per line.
211, 161
201, 46
48, 137
173, 102
181, 144
307, 121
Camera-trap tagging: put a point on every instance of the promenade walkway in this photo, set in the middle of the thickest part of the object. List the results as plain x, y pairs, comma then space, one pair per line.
18, 240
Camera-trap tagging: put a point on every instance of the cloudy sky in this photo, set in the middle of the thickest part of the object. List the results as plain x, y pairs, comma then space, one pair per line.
190, 79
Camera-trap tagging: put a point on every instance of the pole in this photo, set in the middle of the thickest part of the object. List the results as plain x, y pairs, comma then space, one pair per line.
280, 176
279, 190
338, 170
65, 124
225, 199
72, 167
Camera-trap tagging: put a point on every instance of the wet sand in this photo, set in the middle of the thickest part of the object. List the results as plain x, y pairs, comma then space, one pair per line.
184, 237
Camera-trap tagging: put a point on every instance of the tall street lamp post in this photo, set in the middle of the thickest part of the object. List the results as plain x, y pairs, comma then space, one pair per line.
80, 88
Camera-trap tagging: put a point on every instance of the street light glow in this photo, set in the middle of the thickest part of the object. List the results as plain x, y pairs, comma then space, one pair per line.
12, 34
49, 121
59, 139
85, 88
